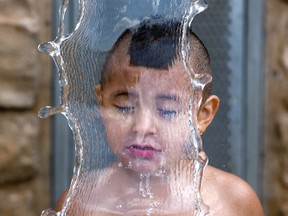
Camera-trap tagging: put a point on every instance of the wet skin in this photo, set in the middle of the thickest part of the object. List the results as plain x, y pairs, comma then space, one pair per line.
145, 113
224, 193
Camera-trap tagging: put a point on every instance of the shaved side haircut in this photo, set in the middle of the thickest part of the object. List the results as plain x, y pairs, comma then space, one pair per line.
155, 43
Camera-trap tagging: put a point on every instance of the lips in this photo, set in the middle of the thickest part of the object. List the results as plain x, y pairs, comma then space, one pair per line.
143, 151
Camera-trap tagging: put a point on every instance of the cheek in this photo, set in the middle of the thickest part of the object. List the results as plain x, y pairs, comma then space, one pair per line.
177, 134
116, 130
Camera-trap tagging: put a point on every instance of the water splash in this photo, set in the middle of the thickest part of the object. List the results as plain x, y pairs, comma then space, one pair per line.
145, 187
79, 60
53, 49
145, 190
155, 4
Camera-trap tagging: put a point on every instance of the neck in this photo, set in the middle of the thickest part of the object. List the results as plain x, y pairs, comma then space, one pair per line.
180, 177
173, 190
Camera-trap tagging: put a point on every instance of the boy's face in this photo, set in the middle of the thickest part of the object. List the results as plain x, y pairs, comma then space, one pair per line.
145, 113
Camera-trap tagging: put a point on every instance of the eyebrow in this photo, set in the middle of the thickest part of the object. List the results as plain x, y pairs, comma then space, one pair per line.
168, 97
121, 92
172, 97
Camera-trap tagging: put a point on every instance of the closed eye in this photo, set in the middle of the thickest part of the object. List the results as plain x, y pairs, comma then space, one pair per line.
167, 113
125, 109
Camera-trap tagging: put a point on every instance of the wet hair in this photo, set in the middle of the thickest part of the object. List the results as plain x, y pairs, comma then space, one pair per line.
155, 43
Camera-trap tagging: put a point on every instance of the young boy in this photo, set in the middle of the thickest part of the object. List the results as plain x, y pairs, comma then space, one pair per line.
145, 104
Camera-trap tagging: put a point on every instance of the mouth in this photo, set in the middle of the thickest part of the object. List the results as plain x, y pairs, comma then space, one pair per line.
142, 151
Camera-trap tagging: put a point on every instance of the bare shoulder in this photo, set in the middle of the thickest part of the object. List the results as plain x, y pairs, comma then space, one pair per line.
227, 194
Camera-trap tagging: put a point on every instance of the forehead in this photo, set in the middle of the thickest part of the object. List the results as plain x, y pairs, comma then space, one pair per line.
118, 69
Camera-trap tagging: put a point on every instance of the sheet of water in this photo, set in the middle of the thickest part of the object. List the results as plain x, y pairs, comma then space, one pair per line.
80, 57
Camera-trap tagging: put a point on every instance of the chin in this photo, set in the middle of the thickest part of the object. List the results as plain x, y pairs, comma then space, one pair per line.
143, 166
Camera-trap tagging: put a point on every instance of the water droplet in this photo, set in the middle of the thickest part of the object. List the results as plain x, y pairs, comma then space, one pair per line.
156, 204
145, 187
48, 111
119, 206
120, 164
155, 4
124, 9
49, 212
141, 188
130, 165
50, 48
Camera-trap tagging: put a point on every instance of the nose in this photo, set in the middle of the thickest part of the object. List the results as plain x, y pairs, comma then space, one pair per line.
144, 123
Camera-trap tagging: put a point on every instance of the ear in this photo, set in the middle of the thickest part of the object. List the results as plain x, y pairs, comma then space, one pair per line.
207, 112
98, 94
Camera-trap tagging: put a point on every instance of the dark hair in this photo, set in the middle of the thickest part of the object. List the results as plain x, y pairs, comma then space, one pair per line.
155, 43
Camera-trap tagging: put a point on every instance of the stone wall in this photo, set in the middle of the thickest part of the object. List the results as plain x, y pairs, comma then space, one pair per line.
276, 125
24, 88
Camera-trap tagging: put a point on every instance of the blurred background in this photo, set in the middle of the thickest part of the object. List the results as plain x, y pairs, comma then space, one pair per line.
248, 44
